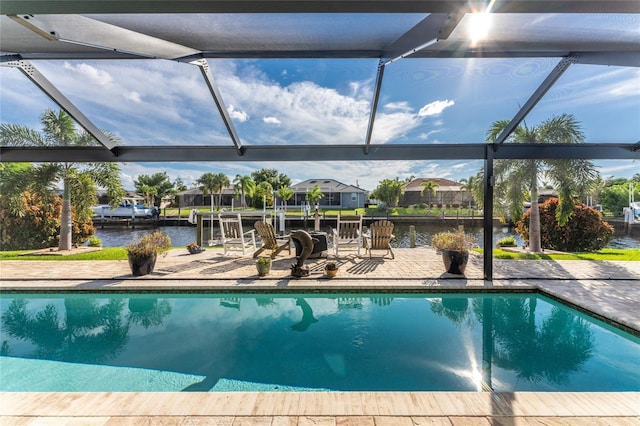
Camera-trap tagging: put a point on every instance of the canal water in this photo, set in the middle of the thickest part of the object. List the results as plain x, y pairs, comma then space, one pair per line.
183, 235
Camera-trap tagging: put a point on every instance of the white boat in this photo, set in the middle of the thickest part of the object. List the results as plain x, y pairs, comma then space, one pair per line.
632, 213
129, 208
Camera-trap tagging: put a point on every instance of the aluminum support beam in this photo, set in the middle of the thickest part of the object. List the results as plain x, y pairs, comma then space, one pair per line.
548, 82
614, 58
374, 107
52, 92
621, 59
433, 28
83, 31
608, 151
217, 98
315, 6
487, 221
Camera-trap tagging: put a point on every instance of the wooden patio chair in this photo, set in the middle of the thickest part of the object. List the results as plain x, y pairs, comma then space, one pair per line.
232, 235
379, 237
347, 233
270, 241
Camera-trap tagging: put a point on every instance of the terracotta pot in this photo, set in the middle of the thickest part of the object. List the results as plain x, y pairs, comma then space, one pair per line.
455, 262
142, 265
331, 272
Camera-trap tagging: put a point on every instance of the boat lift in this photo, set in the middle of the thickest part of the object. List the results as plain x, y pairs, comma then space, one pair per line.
632, 213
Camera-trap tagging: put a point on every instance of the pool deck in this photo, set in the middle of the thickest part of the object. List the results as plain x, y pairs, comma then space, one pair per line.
608, 290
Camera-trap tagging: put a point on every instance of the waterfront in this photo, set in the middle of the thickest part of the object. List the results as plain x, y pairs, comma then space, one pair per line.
182, 235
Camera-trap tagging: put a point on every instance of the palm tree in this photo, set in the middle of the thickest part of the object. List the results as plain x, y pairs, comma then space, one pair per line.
389, 191
245, 186
222, 182
208, 185
430, 188
264, 192
469, 185
518, 178
79, 181
314, 194
285, 194
149, 193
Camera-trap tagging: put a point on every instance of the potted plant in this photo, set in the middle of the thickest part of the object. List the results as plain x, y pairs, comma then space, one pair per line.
194, 248
263, 265
454, 246
331, 269
143, 253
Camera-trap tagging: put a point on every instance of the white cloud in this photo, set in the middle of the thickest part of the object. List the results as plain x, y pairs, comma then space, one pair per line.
425, 136
435, 108
241, 116
90, 73
271, 120
133, 96
402, 106
172, 96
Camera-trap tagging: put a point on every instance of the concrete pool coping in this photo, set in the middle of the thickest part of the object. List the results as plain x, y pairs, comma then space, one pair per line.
610, 293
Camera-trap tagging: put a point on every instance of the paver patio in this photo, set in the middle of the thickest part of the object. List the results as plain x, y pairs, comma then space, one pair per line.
606, 289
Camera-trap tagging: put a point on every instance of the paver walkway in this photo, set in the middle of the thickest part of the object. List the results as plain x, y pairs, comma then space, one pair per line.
409, 263
606, 289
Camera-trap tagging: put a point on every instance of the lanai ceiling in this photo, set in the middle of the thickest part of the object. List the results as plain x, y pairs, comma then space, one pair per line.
574, 32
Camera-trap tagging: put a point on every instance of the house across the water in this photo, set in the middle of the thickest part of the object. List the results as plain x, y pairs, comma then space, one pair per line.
337, 195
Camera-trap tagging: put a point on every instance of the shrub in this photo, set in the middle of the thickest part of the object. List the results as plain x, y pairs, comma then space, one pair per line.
585, 230
452, 240
156, 242
507, 241
38, 226
95, 241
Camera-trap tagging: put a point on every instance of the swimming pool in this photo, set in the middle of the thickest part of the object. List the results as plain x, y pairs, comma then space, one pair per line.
301, 342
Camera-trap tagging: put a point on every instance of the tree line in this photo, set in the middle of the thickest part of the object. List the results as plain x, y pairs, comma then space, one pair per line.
33, 215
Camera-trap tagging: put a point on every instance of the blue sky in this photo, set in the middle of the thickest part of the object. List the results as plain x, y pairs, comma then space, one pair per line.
327, 102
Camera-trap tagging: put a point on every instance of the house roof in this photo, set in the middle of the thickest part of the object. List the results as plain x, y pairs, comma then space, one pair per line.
326, 185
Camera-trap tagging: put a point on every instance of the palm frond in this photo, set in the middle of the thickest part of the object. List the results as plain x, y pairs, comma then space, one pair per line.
14, 135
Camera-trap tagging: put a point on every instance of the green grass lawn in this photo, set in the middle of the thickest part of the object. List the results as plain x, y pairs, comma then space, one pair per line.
107, 253
604, 254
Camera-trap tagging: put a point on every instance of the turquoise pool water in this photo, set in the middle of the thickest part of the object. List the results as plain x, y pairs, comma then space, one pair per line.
327, 342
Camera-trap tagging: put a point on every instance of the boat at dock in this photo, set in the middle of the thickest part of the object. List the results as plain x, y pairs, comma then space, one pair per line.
130, 208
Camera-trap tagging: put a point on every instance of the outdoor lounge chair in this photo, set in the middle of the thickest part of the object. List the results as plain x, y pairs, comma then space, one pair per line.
379, 237
232, 236
347, 233
270, 241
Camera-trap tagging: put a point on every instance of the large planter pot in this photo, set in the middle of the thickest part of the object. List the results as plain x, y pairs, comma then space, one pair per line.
142, 265
455, 262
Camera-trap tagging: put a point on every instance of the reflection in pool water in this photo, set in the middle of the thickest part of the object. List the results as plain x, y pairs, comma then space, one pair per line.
381, 342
